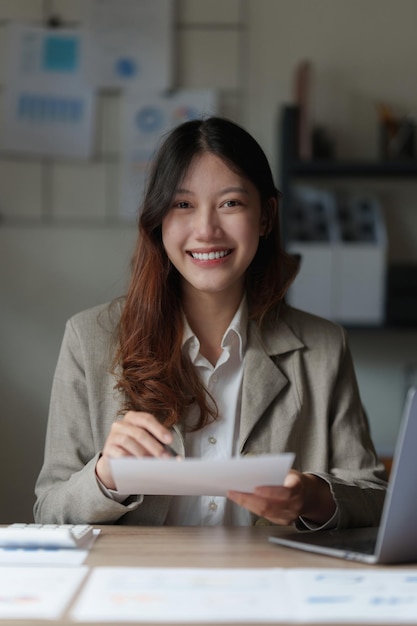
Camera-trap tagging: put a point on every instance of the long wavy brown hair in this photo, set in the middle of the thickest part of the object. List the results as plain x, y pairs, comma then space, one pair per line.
155, 375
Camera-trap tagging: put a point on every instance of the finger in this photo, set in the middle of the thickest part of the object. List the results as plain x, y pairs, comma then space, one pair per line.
135, 440
123, 445
251, 502
259, 504
272, 491
277, 512
292, 479
277, 499
292, 487
148, 422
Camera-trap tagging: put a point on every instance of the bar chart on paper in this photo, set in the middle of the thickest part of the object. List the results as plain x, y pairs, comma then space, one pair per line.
47, 106
47, 123
32, 107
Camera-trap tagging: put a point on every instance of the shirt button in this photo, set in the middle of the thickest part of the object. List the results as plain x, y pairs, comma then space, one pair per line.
212, 440
214, 378
213, 506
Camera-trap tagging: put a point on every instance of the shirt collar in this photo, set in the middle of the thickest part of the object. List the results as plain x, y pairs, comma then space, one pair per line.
238, 328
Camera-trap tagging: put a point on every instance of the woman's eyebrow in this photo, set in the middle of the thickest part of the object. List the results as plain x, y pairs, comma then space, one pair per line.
183, 190
234, 190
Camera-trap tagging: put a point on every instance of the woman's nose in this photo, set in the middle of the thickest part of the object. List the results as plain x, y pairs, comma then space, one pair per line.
207, 224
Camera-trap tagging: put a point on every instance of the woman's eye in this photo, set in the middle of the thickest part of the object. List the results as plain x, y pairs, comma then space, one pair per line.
181, 205
231, 203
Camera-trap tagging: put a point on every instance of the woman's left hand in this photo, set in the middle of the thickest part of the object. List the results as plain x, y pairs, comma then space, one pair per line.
301, 494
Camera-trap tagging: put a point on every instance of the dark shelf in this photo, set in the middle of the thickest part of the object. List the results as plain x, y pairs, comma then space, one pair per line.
402, 327
347, 169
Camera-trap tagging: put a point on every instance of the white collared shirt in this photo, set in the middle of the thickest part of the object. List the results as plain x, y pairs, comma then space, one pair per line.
219, 439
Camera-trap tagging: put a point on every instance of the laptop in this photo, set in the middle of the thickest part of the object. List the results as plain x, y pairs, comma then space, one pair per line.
395, 539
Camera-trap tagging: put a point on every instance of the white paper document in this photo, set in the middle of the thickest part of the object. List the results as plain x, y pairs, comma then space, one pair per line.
182, 595
259, 595
37, 592
146, 118
323, 596
198, 477
47, 105
131, 42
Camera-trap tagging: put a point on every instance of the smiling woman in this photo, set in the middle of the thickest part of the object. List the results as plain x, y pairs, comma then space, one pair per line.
204, 355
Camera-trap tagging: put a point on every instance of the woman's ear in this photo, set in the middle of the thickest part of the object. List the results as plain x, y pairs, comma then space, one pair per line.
267, 218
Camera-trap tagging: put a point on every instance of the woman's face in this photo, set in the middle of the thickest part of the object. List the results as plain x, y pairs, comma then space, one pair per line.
211, 232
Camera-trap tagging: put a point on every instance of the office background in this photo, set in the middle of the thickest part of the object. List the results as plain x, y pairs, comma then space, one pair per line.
62, 248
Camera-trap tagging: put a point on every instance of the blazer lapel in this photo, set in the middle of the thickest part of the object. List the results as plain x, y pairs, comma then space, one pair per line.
263, 380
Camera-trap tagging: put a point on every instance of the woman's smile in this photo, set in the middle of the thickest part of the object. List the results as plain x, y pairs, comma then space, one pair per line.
209, 255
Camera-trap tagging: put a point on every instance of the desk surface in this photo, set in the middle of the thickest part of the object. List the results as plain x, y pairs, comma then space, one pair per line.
194, 547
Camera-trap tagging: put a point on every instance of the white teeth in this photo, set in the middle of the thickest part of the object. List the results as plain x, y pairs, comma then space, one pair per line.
206, 256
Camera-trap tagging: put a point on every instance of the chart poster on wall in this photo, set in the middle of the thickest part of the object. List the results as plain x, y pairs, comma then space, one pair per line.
146, 119
47, 109
130, 43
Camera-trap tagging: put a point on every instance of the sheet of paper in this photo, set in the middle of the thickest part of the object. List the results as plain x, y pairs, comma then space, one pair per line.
260, 595
182, 595
38, 56
147, 476
353, 595
146, 118
37, 592
131, 42
48, 121
47, 106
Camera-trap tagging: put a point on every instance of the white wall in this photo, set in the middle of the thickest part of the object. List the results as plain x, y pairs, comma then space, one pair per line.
62, 248
363, 52
46, 275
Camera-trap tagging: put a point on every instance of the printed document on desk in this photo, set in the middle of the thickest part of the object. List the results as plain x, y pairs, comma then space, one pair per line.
40, 593
198, 477
255, 595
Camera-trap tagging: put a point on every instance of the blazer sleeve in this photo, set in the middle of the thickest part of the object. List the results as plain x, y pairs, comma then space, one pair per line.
67, 490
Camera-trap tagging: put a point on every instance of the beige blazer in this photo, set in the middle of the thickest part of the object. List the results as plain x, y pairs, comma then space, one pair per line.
299, 394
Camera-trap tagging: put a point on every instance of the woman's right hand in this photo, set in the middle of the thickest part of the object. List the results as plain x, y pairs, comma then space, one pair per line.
136, 434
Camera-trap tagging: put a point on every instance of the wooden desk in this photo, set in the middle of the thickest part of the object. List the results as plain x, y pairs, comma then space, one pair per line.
194, 547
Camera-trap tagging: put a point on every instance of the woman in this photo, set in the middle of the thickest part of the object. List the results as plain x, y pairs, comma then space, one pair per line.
204, 355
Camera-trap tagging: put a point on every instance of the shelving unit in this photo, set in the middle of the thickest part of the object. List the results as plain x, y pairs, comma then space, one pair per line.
293, 170
354, 168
